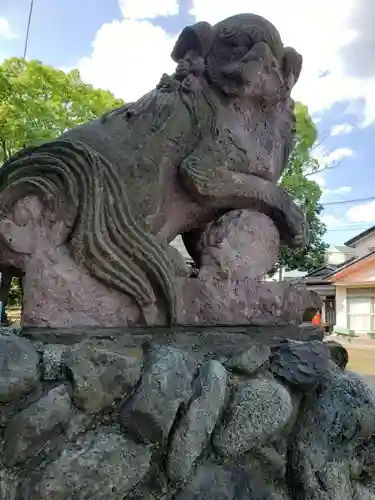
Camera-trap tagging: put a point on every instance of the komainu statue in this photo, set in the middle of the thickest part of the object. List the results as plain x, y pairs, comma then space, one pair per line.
88, 218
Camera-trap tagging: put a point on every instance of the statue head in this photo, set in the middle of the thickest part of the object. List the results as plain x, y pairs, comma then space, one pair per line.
242, 56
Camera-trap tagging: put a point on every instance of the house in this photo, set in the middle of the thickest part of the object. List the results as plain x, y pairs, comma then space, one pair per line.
354, 282
283, 275
364, 242
316, 281
355, 294
334, 256
337, 255
347, 285
347, 269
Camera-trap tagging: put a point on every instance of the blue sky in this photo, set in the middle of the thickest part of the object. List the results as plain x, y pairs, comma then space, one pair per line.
124, 46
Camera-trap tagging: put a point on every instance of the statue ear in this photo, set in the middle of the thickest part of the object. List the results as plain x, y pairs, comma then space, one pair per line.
198, 37
291, 66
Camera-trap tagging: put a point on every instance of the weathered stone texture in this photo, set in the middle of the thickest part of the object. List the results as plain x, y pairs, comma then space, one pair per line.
259, 412
18, 368
273, 420
100, 375
27, 432
166, 383
101, 465
192, 434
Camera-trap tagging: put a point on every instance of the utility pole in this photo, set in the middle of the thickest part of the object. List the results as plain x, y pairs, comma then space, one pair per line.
28, 28
281, 273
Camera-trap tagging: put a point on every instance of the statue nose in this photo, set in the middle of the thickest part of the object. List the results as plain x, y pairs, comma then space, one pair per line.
244, 72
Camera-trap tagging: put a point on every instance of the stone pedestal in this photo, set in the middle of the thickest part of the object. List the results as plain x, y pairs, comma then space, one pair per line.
184, 413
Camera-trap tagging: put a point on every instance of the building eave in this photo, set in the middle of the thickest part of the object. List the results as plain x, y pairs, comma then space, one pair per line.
348, 268
359, 236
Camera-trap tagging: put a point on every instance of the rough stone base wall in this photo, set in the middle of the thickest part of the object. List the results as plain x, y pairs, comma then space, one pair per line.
102, 419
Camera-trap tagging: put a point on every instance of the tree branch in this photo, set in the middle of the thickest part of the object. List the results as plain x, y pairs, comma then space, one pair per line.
324, 168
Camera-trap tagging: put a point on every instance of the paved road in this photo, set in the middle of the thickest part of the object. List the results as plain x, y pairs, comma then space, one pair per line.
370, 379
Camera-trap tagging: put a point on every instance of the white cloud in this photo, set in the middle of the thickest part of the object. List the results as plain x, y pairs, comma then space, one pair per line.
355, 219
359, 55
319, 30
329, 159
6, 30
179, 244
329, 192
142, 9
342, 128
129, 56
362, 213
319, 179
332, 222
336, 191
336, 156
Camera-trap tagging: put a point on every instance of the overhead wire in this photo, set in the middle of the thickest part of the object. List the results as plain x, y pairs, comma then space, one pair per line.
28, 29
353, 200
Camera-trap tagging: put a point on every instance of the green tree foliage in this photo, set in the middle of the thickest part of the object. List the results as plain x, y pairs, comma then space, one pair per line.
38, 103
306, 193
15, 293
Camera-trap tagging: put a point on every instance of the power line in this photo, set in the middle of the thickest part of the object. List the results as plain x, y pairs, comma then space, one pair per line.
343, 229
354, 200
354, 224
28, 29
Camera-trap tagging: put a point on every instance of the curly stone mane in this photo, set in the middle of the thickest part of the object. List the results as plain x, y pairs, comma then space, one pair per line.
80, 187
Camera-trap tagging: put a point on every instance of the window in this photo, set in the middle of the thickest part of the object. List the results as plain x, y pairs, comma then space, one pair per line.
361, 309
330, 311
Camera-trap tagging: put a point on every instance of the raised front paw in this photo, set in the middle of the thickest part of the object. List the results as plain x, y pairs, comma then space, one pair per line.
301, 240
298, 226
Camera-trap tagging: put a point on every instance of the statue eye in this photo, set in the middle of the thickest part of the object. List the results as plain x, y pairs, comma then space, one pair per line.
228, 32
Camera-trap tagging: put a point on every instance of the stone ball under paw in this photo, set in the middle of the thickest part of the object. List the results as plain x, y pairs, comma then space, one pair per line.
240, 243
